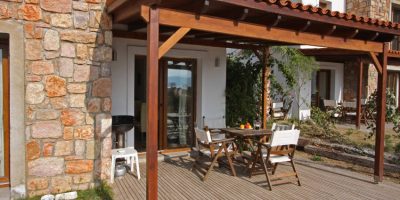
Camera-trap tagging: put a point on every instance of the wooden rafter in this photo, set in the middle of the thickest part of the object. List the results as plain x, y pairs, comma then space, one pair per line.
275, 22
305, 27
131, 10
167, 45
115, 5
192, 41
275, 9
376, 62
224, 26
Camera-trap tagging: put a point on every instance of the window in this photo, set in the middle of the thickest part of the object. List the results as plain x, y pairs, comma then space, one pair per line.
396, 18
325, 4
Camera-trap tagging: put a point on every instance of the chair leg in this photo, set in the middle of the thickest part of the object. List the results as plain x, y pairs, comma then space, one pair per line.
264, 163
137, 166
195, 162
254, 163
294, 169
212, 163
229, 160
274, 169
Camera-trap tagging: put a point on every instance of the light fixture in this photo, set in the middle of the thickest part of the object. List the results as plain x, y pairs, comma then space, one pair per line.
216, 62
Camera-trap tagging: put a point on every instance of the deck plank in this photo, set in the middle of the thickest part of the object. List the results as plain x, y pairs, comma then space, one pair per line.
176, 181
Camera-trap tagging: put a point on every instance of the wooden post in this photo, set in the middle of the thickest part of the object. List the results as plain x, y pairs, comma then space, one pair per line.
359, 93
381, 116
152, 104
265, 86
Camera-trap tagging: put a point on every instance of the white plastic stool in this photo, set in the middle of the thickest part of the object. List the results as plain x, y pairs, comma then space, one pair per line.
129, 154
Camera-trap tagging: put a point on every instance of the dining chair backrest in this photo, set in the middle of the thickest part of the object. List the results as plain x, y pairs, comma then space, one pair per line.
203, 136
330, 103
285, 137
281, 127
349, 104
277, 105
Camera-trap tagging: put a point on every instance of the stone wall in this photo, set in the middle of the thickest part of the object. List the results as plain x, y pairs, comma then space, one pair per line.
350, 82
378, 9
68, 92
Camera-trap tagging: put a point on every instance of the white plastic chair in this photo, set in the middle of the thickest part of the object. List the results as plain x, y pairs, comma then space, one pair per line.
130, 154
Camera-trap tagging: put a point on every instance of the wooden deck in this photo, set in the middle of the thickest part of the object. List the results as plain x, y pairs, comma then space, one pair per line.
176, 181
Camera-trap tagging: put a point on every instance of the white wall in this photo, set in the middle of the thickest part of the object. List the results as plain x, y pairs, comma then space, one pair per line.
305, 95
337, 5
211, 80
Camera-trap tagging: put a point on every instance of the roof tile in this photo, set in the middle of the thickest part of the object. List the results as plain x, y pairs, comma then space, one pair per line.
322, 11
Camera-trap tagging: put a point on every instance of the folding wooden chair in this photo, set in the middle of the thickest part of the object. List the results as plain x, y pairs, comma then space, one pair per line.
280, 149
249, 157
213, 149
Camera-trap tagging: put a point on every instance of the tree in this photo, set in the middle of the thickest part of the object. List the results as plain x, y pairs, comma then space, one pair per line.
297, 70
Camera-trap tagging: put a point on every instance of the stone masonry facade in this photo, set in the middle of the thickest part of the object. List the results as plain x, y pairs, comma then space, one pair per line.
67, 92
379, 9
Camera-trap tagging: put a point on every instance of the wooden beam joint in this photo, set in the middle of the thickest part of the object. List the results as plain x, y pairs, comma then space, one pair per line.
376, 62
203, 9
304, 27
171, 41
275, 22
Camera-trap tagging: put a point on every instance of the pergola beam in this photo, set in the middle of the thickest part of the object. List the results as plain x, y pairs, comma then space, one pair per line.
174, 39
191, 41
224, 26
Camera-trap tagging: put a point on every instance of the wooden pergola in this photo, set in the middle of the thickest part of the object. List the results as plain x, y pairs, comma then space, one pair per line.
247, 24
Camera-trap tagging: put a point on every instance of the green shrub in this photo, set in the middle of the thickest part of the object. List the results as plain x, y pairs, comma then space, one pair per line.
321, 118
101, 192
389, 147
397, 148
316, 158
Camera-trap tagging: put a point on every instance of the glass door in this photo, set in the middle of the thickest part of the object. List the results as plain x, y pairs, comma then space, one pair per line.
177, 103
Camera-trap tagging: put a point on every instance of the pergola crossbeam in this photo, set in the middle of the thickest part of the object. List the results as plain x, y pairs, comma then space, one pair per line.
224, 26
171, 41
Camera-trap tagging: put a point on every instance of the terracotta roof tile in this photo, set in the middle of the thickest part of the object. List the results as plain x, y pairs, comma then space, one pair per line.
322, 11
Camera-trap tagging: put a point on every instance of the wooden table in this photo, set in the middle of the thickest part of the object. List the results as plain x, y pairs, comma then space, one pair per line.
245, 145
245, 137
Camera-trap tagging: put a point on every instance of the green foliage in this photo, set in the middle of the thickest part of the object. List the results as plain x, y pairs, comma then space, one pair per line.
397, 148
243, 90
389, 146
392, 113
321, 126
101, 192
296, 68
316, 158
321, 118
